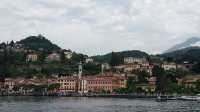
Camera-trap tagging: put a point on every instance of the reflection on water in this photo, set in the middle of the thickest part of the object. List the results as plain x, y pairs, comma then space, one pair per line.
69, 104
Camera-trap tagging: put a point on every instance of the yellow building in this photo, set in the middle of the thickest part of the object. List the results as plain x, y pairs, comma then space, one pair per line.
67, 83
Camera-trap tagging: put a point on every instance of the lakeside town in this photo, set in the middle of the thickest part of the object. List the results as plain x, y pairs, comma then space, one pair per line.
100, 56
61, 72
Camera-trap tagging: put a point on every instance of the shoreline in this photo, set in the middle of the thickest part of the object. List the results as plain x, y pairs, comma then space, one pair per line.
97, 96
156, 98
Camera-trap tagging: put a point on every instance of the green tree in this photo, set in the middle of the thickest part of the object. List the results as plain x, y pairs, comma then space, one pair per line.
131, 84
62, 57
92, 69
78, 57
120, 91
143, 77
115, 59
52, 87
181, 73
41, 57
171, 75
39, 89
196, 68
198, 86
19, 58
161, 83
173, 88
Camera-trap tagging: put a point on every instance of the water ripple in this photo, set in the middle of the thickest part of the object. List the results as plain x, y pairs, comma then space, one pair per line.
67, 104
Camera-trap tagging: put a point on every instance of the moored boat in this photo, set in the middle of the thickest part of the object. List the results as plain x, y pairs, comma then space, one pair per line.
190, 98
161, 99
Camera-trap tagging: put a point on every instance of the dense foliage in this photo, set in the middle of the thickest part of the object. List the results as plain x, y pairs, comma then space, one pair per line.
107, 57
14, 64
39, 43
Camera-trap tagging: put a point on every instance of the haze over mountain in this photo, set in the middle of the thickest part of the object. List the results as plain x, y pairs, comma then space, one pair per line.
190, 54
191, 42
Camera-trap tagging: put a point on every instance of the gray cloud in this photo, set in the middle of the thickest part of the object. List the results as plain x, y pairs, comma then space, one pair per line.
101, 26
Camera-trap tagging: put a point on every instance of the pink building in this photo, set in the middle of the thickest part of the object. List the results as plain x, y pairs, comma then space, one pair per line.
53, 57
104, 83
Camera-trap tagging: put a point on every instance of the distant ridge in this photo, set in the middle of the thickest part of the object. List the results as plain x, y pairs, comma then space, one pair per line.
191, 54
191, 42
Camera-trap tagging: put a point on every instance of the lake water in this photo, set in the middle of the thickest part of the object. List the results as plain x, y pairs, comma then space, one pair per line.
69, 104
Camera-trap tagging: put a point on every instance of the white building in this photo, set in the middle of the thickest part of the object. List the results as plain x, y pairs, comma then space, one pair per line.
68, 54
89, 60
169, 66
9, 84
106, 66
129, 60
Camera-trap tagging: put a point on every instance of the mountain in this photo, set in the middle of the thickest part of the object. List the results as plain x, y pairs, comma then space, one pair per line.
133, 53
38, 43
191, 42
190, 54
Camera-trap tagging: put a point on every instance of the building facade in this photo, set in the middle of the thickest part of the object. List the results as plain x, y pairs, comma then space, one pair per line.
132, 64
96, 84
104, 83
68, 54
89, 60
169, 66
189, 80
129, 60
53, 57
32, 57
67, 83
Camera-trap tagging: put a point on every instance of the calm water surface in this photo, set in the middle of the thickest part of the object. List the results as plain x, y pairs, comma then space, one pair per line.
67, 104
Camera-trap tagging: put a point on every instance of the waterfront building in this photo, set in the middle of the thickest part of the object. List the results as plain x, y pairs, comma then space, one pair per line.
40, 81
9, 84
96, 83
67, 83
104, 83
152, 80
189, 80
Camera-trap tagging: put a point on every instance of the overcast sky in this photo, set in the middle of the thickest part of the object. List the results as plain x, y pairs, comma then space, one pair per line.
101, 26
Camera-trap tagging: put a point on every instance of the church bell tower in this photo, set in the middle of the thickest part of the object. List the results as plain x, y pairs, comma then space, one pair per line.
80, 70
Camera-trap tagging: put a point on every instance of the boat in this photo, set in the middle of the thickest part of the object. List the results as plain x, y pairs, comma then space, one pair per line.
161, 99
190, 98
